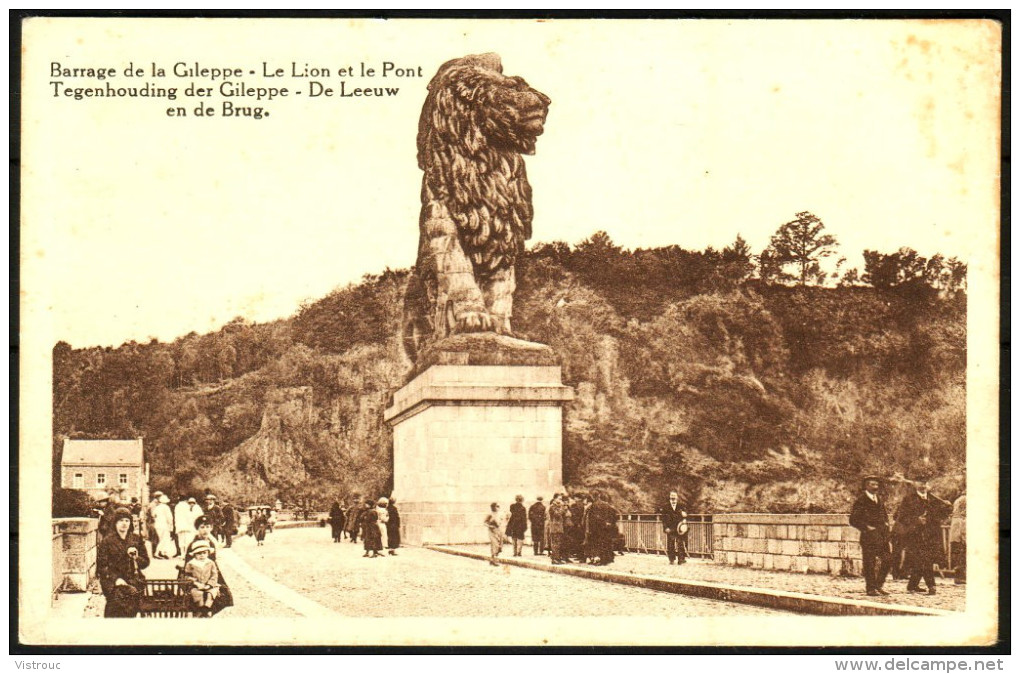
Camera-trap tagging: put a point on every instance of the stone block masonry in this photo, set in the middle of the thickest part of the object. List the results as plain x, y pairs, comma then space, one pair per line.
810, 543
79, 548
465, 436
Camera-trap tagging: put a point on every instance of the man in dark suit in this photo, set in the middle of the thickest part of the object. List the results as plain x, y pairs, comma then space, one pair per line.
673, 515
870, 517
922, 513
214, 515
536, 518
575, 528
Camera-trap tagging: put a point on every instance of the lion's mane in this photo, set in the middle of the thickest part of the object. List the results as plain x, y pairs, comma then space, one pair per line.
470, 141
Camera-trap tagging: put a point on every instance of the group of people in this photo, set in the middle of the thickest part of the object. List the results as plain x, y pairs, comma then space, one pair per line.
913, 544
122, 553
187, 530
170, 531
579, 527
261, 522
574, 527
377, 523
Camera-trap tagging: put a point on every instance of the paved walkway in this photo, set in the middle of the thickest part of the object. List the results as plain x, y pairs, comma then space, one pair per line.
949, 597
423, 583
261, 595
301, 572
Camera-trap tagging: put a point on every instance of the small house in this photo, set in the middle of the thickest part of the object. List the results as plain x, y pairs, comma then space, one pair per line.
96, 466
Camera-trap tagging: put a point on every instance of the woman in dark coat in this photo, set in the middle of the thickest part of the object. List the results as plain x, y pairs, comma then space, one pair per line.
370, 531
120, 560
393, 527
601, 530
259, 524
337, 521
517, 526
353, 515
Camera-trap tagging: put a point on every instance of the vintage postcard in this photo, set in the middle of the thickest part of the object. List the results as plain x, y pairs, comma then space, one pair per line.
509, 332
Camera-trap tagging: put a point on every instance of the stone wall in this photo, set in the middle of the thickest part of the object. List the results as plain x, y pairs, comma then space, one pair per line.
57, 566
79, 538
809, 543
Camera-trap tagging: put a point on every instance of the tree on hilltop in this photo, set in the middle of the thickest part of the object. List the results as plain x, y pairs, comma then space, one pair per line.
907, 269
736, 260
801, 243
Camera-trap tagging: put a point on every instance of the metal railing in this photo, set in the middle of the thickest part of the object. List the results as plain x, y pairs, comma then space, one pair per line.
643, 533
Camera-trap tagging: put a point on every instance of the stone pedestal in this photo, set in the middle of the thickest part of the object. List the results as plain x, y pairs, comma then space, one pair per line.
466, 435
79, 536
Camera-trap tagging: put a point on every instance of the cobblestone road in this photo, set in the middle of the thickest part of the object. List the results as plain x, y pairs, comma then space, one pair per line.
948, 597
421, 582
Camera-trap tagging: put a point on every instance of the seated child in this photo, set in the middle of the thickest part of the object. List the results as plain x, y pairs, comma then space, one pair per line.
203, 575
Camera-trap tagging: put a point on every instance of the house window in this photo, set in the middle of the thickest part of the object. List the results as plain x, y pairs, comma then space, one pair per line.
122, 479
78, 482
101, 480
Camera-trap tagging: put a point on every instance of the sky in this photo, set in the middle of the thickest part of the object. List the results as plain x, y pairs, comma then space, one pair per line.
137, 225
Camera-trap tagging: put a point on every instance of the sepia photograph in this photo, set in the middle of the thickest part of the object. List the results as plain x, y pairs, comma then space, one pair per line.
509, 332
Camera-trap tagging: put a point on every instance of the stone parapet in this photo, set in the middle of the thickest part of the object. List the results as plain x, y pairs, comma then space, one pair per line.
808, 543
79, 549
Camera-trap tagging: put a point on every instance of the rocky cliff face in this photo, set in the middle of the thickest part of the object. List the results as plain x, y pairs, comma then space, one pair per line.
338, 444
276, 455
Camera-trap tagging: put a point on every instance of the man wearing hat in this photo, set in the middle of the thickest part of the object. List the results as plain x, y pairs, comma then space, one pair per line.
674, 525
922, 513
228, 524
536, 518
120, 558
870, 517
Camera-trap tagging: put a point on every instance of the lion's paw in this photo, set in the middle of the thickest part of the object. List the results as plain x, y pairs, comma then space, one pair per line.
474, 321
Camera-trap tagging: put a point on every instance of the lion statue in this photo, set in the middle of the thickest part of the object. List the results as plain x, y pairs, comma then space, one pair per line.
475, 200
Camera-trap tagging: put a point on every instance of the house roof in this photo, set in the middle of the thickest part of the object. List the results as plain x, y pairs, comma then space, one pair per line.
102, 452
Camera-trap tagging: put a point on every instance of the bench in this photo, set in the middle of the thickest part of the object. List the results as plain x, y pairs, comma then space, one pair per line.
167, 599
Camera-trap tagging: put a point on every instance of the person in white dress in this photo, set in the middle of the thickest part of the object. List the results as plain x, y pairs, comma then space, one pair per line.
163, 523
185, 515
